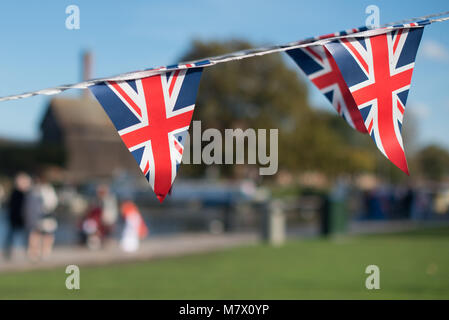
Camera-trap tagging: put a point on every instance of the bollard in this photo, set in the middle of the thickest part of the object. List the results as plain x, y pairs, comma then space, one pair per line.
273, 226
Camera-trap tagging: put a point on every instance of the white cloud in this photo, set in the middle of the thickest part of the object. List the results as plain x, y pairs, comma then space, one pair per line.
435, 50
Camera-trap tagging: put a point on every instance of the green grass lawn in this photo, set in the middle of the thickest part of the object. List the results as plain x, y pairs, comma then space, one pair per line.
413, 265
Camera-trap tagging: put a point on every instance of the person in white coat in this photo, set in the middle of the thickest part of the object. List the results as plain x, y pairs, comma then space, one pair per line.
40, 204
135, 228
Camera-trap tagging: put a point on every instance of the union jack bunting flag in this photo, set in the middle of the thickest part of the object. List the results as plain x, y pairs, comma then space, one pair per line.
152, 116
319, 66
378, 71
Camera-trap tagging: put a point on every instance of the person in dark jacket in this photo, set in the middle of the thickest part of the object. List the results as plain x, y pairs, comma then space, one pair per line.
16, 206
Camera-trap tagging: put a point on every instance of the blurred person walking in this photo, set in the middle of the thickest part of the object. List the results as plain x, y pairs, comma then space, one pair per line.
135, 228
100, 219
107, 202
40, 221
15, 207
92, 228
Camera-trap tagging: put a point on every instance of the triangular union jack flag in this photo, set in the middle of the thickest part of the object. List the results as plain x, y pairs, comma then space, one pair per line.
319, 66
378, 71
152, 116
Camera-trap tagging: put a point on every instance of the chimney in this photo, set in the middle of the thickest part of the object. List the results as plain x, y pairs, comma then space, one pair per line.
87, 70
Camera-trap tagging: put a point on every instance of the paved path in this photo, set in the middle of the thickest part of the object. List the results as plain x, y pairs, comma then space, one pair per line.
153, 248
185, 244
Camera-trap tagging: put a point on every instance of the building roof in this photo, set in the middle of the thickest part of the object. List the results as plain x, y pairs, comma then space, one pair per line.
79, 111
92, 146
81, 116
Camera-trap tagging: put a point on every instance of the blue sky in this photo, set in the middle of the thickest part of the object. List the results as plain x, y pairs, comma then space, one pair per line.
39, 52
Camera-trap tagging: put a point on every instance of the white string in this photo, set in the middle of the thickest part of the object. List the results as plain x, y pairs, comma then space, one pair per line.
229, 57
439, 20
434, 15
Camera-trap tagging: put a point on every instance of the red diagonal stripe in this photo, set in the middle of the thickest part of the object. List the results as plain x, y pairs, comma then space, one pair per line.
396, 42
126, 97
173, 82
356, 53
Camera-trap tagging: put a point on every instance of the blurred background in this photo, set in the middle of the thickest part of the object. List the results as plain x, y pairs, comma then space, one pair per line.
335, 206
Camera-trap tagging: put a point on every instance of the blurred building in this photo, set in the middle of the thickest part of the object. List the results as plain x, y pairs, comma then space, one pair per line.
90, 144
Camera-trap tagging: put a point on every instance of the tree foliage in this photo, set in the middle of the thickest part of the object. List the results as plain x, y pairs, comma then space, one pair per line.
433, 162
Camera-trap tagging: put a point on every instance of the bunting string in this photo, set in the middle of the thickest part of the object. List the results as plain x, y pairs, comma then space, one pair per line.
239, 55
428, 17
